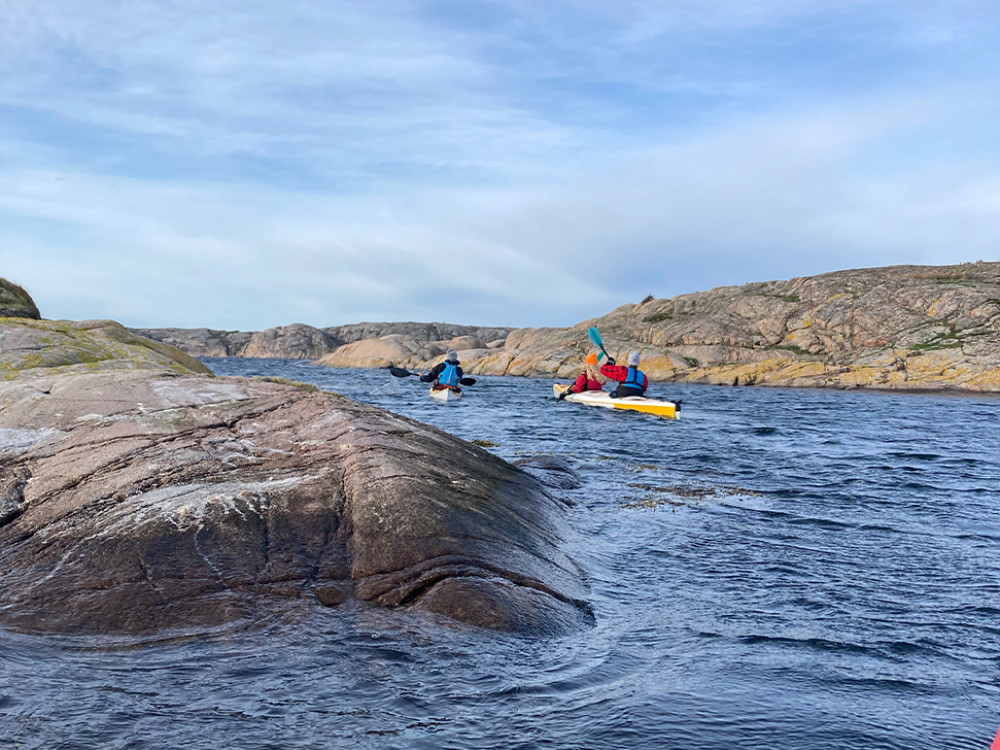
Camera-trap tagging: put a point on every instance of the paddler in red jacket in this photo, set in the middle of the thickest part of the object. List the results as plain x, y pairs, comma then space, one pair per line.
631, 380
588, 380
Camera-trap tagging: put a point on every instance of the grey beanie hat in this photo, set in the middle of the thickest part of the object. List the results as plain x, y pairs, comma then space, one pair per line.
451, 356
633, 359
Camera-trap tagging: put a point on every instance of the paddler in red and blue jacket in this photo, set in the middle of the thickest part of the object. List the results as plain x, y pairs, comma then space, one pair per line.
445, 374
631, 380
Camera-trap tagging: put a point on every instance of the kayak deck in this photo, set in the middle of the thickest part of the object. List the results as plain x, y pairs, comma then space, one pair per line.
665, 409
446, 394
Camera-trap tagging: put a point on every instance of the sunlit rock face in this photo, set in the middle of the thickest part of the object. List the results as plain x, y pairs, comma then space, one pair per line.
897, 327
901, 327
135, 502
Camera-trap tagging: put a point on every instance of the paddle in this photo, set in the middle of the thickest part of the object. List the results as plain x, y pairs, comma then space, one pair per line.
399, 372
595, 336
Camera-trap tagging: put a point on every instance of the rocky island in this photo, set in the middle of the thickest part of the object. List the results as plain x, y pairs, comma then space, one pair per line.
925, 328
140, 494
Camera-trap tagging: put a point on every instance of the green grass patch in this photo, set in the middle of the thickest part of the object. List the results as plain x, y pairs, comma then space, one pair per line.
658, 317
944, 341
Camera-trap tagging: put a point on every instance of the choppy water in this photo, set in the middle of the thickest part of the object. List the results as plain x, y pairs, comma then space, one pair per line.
778, 569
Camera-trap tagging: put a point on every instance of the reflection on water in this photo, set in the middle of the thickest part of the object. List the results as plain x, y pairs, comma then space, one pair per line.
779, 568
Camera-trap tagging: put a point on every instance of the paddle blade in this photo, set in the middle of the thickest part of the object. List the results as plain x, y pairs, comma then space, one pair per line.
595, 336
399, 372
467, 381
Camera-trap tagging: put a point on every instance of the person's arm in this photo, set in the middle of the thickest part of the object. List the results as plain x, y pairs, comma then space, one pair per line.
432, 375
580, 384
614, 372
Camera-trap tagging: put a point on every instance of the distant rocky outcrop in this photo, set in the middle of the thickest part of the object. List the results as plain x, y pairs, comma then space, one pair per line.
897, 327
900, 327
299, 341
137, 496
15, 302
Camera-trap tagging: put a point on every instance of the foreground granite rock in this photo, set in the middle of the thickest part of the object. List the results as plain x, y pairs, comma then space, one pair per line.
132, 502
63, 347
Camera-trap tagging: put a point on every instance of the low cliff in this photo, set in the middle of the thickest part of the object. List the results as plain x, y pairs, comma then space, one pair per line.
897, 327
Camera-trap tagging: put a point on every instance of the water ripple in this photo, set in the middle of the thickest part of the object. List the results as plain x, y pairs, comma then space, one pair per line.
812, 570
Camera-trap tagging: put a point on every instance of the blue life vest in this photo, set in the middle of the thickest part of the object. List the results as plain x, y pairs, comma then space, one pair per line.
449, 375
633, 379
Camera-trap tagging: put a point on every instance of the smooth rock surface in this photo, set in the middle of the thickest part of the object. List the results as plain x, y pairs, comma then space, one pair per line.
133, 502
51, 347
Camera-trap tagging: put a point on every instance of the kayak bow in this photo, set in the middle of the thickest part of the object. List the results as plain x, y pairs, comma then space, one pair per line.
444, 393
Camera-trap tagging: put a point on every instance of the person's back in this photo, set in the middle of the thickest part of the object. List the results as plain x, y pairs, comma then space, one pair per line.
446, 374
631, 380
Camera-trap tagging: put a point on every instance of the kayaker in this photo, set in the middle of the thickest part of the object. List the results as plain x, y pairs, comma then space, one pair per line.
588, 380
447, 373
631, 380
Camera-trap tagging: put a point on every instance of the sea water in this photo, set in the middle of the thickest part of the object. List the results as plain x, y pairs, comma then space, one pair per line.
779, 568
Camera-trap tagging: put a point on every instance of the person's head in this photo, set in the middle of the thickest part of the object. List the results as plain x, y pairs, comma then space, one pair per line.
451, 356
633, 359
590, 366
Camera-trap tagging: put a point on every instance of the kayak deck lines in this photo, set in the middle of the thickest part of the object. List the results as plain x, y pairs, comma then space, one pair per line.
664, 409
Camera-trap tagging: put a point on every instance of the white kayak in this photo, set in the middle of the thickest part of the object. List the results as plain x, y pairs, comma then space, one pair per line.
665, 409
445, 393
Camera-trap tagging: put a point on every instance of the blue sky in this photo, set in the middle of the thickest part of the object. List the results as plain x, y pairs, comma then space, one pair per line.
243, 164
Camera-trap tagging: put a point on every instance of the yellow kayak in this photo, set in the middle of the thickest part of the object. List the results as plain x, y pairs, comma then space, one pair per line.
665, 409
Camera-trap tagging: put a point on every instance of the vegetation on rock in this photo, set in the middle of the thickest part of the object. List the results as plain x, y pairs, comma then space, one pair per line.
15, 302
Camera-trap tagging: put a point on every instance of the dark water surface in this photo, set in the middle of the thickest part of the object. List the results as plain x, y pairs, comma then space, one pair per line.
778, 569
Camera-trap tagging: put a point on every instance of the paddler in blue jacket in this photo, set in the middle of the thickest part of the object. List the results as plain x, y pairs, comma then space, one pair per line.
447, 373
631, 380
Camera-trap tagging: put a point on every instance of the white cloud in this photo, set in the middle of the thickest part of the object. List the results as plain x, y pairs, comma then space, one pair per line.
244, 164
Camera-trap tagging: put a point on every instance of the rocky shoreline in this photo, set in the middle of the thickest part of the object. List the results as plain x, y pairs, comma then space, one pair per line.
917, 328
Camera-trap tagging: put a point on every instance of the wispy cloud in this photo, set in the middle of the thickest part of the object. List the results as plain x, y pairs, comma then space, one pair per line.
246, 164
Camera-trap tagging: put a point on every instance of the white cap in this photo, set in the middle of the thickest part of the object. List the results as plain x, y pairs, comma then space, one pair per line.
633, 359
451, 356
